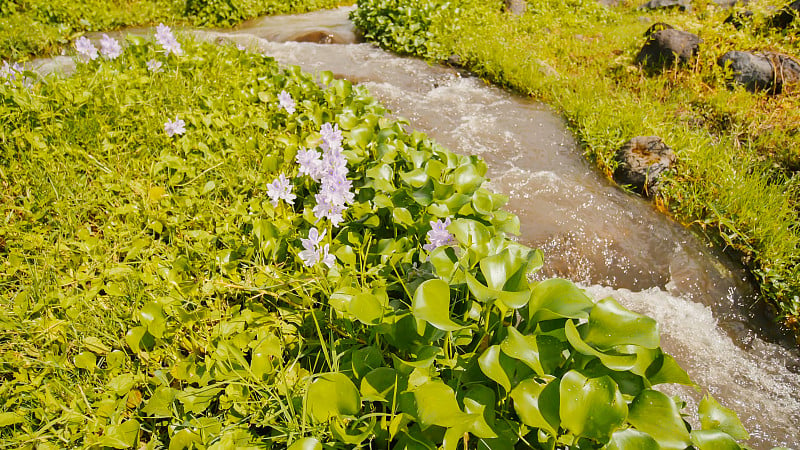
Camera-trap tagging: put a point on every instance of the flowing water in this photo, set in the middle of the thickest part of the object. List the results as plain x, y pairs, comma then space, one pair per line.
613, 243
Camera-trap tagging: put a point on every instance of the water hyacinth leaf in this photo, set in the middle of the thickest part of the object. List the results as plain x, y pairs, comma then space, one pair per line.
123, 435
714, 416
402, 216
436, 405
610, 325
591, 407
431, 303
160, 402
265, 352
366, 359
366, 307
631, 439
656, 414
612, 361
558, 298
86, 361
306, 443
665, 369
152, 316
492, 367
480, 401
415, 178
481, 292
353, 432
444, 262
381, 384
467, 179
527, 350
10, 418
196, 400
469, 232
332, 395
713, 440
537, 405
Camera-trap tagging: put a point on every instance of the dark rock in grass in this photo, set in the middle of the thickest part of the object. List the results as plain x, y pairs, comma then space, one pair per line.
516, 7
740, 19
455, 60
666, 47
683, 5
641, 161
762, 71
658, 26
785, 15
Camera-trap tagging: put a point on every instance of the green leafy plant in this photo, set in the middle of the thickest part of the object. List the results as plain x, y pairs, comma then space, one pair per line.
156, 293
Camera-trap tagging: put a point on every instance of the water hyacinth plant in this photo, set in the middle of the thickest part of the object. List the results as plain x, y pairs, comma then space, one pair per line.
230, 286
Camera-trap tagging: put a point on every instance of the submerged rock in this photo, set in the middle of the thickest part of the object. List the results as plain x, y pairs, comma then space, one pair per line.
762, 71
683, 5
665, 47
641, 161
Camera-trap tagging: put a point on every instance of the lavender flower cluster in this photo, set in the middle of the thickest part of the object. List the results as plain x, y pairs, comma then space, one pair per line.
438, 236
13, 72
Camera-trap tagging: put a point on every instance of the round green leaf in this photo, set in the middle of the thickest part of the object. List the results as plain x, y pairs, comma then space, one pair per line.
610, 325
714, 440
714, 416
591, 407
654, 413
431, 303
331, 395
306, 443
537, 405
558, 298
489, 363
631, 439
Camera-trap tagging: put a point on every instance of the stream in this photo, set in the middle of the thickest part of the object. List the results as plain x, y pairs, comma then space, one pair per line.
610, 242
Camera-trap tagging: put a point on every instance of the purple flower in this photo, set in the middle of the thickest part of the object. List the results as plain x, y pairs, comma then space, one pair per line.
438, 235
313, 252
331, 137
86, 50
12, 72
176, 127
286, 102
310, 163
280, 189
167, 40
109, 47
154, 65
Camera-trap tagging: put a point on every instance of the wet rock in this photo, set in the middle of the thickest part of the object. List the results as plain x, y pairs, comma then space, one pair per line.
641, 161
666, 47
683, 5
516, 7
760, 71
455, 60
317, 37
785, 15
740, 19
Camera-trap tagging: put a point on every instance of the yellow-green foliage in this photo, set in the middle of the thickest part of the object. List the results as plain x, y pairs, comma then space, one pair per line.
738, 152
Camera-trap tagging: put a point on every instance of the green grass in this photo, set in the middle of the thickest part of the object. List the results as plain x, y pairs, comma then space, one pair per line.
32, 28
738, 154
152, 296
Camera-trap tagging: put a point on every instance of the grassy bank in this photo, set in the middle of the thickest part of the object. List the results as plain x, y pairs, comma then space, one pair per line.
201, 249
738, 154
30, 28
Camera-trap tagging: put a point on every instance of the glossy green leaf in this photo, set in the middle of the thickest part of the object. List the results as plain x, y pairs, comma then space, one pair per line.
713, 440
491, 366
332, 395
366, 307
657, 415
123, 435
613, 361
665, 369
524, 348
306, 443
10, 418
160, 402
537, 405
714, 416
381, 384
196, 400
591, 407
267, 351
610, 325
467, 179
431, 303
436, 405
632, 439
558, 298
86, 360
469, 232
